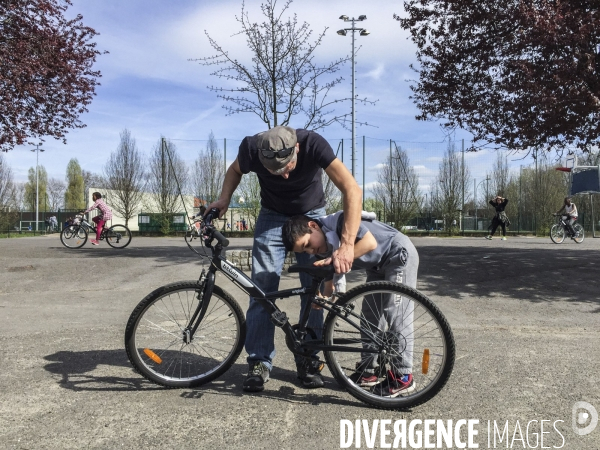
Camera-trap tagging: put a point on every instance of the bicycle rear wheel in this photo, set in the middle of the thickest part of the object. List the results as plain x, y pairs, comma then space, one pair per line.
557, 233
155, 336
74, 236
415, 340
118, 236
579, 233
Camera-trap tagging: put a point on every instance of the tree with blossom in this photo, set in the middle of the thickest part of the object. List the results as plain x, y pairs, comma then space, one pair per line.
46, 76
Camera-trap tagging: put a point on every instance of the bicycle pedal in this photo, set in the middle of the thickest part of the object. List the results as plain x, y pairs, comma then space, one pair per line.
279, 318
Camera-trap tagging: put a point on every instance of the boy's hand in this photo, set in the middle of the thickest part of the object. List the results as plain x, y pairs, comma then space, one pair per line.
322, 262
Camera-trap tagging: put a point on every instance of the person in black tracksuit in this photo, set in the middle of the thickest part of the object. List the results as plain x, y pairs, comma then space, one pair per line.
499, 203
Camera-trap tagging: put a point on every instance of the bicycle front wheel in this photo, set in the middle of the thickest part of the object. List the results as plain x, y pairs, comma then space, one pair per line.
74, 236
118, 236
557, 233
386, 330
160, 348
579, 233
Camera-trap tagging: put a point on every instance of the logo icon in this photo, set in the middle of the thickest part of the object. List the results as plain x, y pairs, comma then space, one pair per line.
585, 418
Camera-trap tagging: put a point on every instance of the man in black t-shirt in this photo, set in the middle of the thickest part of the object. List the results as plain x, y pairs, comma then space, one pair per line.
289, 164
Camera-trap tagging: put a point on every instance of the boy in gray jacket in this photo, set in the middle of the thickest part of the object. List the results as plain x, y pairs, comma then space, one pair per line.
385, 254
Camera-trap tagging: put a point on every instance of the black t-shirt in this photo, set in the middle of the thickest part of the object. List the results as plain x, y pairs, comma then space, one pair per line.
303, 190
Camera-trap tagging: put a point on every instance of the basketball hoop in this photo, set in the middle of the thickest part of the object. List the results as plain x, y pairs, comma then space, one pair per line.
564, 169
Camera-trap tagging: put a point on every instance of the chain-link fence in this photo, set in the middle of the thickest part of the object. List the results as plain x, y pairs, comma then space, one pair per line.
530, 181
435, 186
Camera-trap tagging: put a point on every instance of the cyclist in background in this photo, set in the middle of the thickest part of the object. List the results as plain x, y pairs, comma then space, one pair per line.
571, 212
104, 216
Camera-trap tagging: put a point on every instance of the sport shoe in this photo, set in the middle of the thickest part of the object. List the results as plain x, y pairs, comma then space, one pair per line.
364, 379
309, 372
94, 242
503, 238
489, 236
394, 385
258, 375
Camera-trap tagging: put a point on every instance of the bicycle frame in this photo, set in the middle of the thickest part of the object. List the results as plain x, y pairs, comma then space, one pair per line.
278, 317
91, 228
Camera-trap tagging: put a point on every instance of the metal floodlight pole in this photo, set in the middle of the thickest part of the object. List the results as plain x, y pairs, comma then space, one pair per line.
37, 151
363, 32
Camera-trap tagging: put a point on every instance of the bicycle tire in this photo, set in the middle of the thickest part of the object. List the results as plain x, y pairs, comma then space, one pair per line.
557, 233
433, 351
154, 336
579, 233
118, 236
74, 236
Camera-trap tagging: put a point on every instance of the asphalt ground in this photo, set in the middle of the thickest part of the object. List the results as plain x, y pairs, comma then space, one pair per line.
525, 315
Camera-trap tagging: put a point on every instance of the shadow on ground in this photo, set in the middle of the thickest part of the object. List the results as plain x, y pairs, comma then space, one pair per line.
538, 274
78, 371
534, 275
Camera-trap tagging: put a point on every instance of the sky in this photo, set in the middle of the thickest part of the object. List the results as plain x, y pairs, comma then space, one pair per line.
150, 87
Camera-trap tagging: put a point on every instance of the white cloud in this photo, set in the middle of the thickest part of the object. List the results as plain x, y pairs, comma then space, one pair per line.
377, 72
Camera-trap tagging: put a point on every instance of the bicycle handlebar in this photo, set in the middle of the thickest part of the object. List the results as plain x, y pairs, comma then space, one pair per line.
219, 237
214, 233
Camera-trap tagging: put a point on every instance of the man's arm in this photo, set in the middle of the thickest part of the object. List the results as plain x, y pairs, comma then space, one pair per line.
233, 176
352, 195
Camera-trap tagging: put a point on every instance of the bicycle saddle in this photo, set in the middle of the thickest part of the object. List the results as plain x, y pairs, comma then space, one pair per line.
314, 271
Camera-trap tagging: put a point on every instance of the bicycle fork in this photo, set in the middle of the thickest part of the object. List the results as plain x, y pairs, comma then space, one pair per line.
207, 283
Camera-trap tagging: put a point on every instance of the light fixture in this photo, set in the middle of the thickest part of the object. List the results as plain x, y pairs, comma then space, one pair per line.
37, 149
362, 32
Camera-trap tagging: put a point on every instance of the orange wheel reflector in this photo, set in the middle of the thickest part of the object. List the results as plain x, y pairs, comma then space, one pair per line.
425, 364
153, 356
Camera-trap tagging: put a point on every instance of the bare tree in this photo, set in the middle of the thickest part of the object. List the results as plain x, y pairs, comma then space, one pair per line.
398, 189
7, 195
92, 180
124, 177
333, 196
283, 80
499, 177
56, 193
447, 191
249, 192
209, 172
20, 196
168, 178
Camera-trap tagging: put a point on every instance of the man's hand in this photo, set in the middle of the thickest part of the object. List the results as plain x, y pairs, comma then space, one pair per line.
222, 205
343, 258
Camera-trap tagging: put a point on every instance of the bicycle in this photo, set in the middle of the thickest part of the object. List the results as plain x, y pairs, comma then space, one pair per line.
559, 230
188, 333
76, 235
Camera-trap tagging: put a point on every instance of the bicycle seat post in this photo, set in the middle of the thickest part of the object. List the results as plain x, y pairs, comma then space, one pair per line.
312, 293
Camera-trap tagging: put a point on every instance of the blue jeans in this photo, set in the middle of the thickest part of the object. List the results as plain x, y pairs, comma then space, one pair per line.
268, 256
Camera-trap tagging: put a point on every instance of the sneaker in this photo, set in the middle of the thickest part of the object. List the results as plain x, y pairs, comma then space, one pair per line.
489, 236
503, 238
394, 385
364, 378
258, 375
309, 372
94, 242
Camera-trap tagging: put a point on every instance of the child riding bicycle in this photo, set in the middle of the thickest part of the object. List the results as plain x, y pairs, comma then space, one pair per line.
385, 254
570, 211
104, 216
